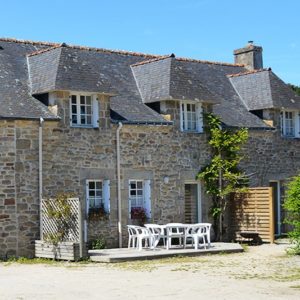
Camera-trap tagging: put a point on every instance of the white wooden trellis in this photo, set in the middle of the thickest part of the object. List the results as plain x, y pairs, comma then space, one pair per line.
49, 225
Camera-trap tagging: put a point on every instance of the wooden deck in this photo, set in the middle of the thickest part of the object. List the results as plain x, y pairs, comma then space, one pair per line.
125, 254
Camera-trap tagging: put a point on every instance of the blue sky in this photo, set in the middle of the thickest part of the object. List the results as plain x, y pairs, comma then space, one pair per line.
201, 29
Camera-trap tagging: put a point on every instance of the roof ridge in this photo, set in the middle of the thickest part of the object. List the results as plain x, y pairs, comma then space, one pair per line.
122, 52
148, 61
249, 72
19, 41
209, 62
57, 45
43, 50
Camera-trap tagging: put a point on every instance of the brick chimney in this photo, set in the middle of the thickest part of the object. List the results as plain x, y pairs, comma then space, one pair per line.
250, 56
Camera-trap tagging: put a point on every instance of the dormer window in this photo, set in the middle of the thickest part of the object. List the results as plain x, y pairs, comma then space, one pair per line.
84, 110
191, 117
290, 124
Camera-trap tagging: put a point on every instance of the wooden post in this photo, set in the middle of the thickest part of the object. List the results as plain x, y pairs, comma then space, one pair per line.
80, 229
271, 210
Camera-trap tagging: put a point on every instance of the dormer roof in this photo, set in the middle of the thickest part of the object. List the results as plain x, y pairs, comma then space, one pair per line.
262, 89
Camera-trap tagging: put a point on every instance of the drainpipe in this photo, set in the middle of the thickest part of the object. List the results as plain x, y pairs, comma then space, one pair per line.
41, 172
119, 185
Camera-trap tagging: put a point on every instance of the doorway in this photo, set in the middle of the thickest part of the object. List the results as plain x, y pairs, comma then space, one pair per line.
192, 203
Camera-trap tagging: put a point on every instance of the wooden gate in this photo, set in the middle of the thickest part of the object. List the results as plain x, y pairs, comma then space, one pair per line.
253, 212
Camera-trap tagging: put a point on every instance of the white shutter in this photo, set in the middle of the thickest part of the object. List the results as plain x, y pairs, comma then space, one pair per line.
106, 195
87, 197
147, 197
199, 117
181, 116
129, 201
95, 116
297, 124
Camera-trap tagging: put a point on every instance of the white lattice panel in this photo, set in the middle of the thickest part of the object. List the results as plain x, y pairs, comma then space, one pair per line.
49, 225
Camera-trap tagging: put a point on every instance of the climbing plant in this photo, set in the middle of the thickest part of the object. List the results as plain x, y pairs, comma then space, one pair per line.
292, 206
222, 175
60, 211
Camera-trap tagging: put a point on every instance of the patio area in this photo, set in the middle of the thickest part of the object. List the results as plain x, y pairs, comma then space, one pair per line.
130, 254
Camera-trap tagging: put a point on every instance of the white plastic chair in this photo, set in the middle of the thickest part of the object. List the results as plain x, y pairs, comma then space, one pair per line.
196, 232
143, 234
158, 233
175, 230
206, 231
133, 234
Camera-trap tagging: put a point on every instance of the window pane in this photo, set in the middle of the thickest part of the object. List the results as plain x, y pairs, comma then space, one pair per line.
74, 109
89, 120
82, 120
89, 110
139, 184
82, 100
92, 185
88, 100
74, 119
140, 192
73, 99
133, 193
92, 193
82, 109
132, 185
98, 185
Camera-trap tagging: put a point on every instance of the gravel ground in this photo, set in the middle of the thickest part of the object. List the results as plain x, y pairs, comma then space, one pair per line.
262, 272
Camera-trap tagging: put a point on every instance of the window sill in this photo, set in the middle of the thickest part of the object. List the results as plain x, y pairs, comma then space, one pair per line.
192, 131
291, 137
84, 126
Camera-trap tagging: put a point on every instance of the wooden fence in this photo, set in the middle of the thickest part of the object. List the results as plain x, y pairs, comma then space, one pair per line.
253, 212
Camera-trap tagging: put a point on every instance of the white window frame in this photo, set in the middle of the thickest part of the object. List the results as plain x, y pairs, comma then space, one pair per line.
94, 113
185, 117
144, 199
290, 123
105, 194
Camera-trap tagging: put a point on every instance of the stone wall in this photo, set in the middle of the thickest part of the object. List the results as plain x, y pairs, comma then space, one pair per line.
73, 155
19, 205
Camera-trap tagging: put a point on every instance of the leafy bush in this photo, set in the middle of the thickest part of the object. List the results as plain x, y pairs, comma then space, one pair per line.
98, 244
292, 206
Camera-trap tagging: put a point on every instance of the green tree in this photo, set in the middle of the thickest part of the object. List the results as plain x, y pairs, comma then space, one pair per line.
222, 175
295, 88
292, 206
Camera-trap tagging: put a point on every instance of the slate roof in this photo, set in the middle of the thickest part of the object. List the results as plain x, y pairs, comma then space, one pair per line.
262, 89
15, 96
62, 68
133, 78
168, 78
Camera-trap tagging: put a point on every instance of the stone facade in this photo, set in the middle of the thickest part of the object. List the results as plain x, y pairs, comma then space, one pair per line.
19, 214
74, 155
152, 149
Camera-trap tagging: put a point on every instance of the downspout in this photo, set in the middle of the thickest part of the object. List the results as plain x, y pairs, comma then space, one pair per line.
41, 173
120, 125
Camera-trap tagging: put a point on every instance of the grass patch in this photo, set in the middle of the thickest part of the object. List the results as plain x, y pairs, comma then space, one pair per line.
44, 261
29, 261
150, 265
295, 286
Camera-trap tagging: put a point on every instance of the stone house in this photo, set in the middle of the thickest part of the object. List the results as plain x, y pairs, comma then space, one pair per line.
123, 130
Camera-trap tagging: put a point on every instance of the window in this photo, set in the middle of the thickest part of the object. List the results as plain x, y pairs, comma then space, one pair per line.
98, 194
191, 118
83, 110
290, 123
140, 195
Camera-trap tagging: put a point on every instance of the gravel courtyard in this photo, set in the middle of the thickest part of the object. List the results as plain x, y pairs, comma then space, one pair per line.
262, 272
